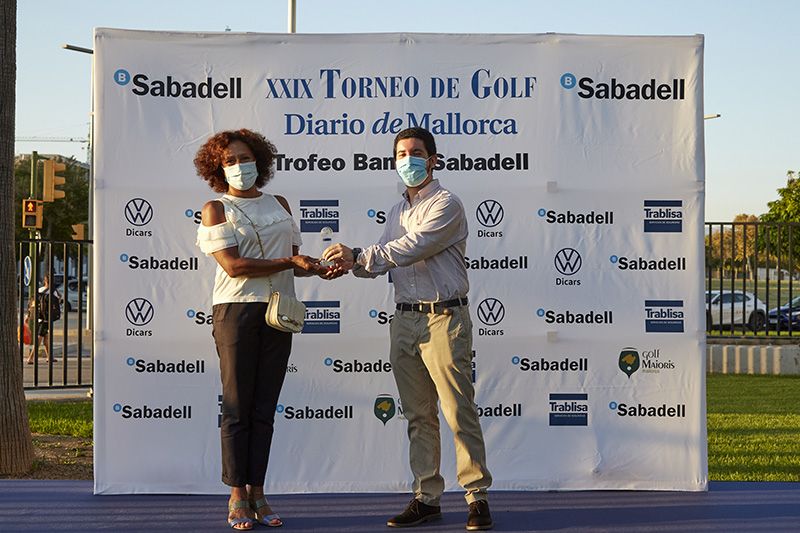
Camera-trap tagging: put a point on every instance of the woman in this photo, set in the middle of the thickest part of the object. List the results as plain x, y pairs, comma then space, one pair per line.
255, 241
49, 312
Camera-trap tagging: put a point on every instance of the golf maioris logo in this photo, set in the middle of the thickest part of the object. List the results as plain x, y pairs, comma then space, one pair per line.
138, 212
170, 87
491, 312
629, 361
384, 408
614, 89
139, 312
650, 361
490, 214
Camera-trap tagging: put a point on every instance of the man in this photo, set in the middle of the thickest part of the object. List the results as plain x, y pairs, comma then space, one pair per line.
423, 244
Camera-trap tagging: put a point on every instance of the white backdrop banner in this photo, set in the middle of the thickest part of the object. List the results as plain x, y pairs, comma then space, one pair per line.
579, 160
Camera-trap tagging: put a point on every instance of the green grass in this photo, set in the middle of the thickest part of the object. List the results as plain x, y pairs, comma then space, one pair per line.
73, 418
753, 426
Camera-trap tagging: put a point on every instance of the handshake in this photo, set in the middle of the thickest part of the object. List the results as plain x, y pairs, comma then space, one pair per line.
337, 260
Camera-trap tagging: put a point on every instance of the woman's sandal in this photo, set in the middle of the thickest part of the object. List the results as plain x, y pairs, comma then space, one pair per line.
245, 521
270, 520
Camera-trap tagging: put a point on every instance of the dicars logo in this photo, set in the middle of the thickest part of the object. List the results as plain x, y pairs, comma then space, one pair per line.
490, 213
568, 261
491, 311
139, 212
139, 312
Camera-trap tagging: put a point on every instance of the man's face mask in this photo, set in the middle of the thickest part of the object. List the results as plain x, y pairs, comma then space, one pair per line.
412, 170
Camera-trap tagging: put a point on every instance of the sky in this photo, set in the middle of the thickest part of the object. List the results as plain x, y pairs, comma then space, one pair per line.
751, 63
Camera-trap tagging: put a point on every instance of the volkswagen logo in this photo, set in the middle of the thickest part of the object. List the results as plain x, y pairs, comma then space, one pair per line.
139, 312
139, 212
491, 311
490, 213
568, 261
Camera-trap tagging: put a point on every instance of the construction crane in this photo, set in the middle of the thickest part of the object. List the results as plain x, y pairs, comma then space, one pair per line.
51, 139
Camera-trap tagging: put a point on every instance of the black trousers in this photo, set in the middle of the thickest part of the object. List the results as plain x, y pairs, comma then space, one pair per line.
252, 361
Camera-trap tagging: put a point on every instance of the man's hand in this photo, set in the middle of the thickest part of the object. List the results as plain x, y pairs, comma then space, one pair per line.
341, 254
335, 271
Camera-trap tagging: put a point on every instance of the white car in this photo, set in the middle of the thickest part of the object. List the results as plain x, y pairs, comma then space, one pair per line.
735, 309
70, 295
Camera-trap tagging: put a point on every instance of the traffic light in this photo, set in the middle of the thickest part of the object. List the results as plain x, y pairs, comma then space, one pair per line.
78, 232
51, 180
31, 214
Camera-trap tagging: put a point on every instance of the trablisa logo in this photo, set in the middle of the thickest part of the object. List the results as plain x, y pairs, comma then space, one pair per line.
663, 216
318, 214
614, 89
663, 316
169, 87
322, 317
569, 409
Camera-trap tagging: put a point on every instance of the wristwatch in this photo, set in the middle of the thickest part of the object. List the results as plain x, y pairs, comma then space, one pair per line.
356, 253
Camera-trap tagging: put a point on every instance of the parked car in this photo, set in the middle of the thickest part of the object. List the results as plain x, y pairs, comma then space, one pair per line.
784, 316
70, 295
735, 308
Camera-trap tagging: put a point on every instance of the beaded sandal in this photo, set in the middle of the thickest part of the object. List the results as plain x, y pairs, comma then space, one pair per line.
246, 522
270, 520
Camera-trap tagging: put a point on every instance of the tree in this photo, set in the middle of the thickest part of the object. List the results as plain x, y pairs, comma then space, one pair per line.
60, 215
16, 448
787, 207
784, 237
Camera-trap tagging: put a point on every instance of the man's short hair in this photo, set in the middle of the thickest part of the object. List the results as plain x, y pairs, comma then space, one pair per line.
416, 133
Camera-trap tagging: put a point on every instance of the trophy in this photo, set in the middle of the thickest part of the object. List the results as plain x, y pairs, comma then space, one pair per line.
326, 233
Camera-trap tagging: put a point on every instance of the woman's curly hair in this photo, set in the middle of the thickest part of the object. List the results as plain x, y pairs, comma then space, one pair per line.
208, 160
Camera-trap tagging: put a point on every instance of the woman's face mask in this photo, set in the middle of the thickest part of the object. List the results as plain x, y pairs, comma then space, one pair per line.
241, 176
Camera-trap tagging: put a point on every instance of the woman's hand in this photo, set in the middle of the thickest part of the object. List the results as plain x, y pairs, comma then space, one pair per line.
306, 265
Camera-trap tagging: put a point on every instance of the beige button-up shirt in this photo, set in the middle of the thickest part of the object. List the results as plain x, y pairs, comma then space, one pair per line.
423, 244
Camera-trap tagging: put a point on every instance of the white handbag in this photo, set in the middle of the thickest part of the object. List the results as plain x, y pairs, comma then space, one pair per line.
284, 313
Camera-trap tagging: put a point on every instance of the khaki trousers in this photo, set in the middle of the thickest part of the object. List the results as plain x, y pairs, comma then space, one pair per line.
431, 358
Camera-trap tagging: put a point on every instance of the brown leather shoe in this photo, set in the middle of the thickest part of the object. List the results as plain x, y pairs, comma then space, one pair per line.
479, 517
415, 514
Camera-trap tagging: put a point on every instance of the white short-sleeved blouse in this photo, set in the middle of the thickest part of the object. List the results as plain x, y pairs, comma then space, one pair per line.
278, 232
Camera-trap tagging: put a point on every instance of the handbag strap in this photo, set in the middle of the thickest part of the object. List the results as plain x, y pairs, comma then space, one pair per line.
258, 237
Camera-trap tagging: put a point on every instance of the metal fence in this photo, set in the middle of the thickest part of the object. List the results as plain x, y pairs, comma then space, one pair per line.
751, 274
56, 324
752, 279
